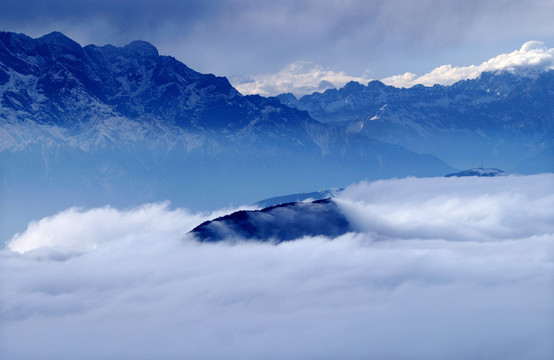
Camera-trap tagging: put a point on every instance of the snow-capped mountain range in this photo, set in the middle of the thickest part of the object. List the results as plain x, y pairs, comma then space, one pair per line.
94, 98
504, 118
97, 125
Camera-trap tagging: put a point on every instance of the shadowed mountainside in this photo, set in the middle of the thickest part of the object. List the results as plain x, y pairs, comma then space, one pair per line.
277, 223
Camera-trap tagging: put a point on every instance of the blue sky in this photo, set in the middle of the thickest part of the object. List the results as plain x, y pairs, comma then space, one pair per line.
365, 39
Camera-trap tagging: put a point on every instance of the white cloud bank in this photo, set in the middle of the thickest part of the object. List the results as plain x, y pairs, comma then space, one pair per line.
460, 209
457, 268
533, 55
301, 78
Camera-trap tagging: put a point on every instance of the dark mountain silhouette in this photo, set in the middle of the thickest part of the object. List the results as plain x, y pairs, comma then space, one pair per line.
277, 223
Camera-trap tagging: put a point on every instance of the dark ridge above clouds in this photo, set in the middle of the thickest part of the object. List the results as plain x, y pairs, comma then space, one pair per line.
277, 223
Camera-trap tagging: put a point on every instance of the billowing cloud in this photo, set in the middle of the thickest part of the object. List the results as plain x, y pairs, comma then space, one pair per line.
439, 268
532, 56
76, 230
299, 78
458, 209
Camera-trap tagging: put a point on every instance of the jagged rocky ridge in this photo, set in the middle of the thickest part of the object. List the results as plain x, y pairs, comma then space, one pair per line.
504, 119
277, 223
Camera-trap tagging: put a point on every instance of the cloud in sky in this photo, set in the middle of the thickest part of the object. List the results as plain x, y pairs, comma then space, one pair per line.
299, 78
248, 38
402, 287
533, 55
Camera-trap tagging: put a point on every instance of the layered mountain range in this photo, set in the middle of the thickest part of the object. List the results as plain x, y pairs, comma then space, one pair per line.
504, 119
96, 125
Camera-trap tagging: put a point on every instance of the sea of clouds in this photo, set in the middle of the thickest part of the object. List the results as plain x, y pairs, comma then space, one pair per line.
438, 268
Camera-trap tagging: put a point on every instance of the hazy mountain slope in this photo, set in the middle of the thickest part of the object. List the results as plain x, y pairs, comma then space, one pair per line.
499, 118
